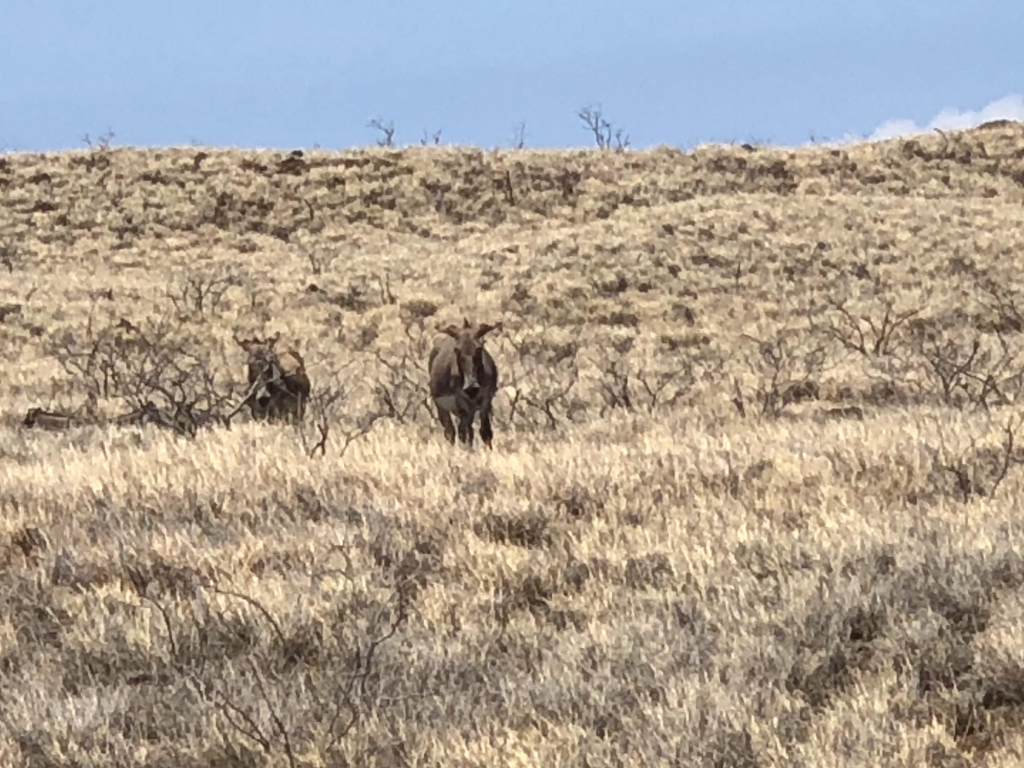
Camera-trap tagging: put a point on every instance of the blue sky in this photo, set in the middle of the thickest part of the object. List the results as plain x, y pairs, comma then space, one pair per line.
264, 73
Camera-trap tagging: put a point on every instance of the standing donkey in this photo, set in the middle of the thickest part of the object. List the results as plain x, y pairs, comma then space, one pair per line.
463, 380
278, 385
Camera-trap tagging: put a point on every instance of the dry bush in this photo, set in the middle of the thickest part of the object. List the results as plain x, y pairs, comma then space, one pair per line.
333, 414
401, 388
199, 293
122, 362
606, 135
878, 334
656, 382
786, 369
981, 467
539, 376
976, 370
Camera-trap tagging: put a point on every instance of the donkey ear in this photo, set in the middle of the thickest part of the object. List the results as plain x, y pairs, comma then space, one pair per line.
274, 339
243, 343
450, 330
485, 328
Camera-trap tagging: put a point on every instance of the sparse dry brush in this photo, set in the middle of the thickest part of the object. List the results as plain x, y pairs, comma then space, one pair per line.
753, 499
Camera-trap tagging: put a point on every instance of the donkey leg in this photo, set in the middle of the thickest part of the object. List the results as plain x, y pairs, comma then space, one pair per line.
449, 426
486, 431
466, 429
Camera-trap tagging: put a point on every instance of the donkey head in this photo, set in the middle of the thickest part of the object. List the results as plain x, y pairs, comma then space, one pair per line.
261, 354
264, 368
469, 354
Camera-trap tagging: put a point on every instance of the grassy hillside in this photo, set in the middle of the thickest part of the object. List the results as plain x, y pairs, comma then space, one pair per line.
754, 498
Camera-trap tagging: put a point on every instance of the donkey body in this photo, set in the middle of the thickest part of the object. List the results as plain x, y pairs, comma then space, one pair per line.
278, 385
463, 380
48, 420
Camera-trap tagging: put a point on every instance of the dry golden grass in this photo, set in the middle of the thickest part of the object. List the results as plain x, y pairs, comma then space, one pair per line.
795, 553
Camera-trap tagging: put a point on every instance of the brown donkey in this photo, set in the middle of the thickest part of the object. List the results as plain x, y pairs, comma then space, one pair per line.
463, 380
278, 384
48, 420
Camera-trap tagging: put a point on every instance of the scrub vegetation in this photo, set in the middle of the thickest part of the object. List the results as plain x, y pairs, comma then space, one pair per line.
754, 497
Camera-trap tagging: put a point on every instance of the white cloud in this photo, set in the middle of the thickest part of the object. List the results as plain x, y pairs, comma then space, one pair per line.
1009, 107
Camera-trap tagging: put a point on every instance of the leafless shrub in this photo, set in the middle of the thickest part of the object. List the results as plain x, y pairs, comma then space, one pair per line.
976, 371
400, 388
258, 702
400, 392
321, 258
786, 368
102, 141
519, 135
1004, 303
895, 378
98, 157
978, 471
666, 384
606, 135
540, 376
247, 718
200, 293
123, 362
615, 383
431, 138
183, 419
654, 384
868, 335
387, 130
329, 416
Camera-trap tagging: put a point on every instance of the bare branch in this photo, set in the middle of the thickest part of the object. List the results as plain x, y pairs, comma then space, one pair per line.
387, 129
278, 723
606, 135
865, 334
541, 375
519, 135
255, 604
200, 293
428, 138
786, 370
247, 727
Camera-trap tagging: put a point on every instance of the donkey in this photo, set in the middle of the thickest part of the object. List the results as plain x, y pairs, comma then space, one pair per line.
48, 420
463, 380
278, 385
